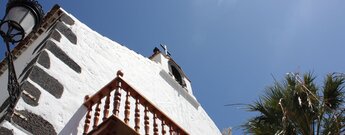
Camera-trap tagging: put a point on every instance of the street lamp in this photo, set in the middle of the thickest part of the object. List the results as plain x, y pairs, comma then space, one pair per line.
22, 17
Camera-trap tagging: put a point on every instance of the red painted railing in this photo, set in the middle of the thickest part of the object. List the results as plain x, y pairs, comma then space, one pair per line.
118, 90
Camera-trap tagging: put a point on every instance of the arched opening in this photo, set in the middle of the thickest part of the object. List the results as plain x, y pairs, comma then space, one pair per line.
177, 75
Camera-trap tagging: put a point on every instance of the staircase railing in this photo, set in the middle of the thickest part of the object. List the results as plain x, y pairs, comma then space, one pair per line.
118, 90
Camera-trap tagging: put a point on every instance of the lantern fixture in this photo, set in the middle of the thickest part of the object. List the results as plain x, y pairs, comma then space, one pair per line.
22, 17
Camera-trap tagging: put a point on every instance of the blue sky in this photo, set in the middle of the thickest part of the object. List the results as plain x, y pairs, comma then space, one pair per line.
229, 48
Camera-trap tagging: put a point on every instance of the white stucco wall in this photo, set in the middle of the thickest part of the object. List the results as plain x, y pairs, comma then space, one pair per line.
100, 58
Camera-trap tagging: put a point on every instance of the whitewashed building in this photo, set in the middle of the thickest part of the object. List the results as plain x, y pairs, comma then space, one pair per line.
75, 81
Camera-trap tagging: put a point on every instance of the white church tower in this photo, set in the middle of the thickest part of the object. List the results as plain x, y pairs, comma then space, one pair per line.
75, 81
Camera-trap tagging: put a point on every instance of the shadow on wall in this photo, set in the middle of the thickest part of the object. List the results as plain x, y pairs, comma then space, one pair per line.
71, 128
180, 90
3, 108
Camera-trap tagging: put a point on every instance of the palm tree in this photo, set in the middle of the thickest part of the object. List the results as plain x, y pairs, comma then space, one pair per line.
297, 106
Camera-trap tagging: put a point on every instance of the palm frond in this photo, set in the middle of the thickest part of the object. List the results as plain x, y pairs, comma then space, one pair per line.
295, 106
333, 92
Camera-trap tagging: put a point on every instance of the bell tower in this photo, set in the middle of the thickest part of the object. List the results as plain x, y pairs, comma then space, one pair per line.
172, 68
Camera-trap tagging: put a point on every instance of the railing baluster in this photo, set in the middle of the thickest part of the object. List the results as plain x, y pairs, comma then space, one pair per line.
106, 107
97, 113
155, 125
163, 125
167, 125
127, 107
171, 130
88, 117
117, 99
137, 115
146, 121
178, 132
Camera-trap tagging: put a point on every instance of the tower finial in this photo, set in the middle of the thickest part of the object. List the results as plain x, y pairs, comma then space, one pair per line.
119, 73
165, 48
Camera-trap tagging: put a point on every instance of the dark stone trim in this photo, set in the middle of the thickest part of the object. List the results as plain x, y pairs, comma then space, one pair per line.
34, 124
53, 35
32, 62
67, 32
48, 42
44, 60
5, 131
33, 91
67, 19
57, 51
56, 35
28, 66
47, 82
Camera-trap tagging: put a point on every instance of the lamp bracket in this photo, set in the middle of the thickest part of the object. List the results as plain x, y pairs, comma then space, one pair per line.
11, 31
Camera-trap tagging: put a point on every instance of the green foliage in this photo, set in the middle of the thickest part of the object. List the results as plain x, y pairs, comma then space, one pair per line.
295, 107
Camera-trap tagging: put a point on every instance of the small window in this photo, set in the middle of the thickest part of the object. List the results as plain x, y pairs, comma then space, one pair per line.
177, 75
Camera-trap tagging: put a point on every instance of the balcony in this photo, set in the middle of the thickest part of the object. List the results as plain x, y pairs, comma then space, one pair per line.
122, 99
